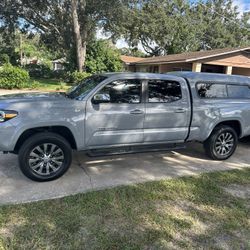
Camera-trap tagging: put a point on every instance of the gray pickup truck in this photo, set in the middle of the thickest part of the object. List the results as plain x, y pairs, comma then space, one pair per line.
124, 112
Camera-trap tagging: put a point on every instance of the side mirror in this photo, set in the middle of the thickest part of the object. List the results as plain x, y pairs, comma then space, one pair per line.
101, 98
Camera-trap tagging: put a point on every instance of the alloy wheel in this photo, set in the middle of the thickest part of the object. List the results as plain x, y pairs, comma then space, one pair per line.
46, 159
224, 143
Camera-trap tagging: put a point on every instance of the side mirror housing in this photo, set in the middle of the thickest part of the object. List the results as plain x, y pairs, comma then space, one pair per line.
101, 98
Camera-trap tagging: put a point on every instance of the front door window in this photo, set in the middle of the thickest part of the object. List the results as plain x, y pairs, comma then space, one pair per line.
121, 91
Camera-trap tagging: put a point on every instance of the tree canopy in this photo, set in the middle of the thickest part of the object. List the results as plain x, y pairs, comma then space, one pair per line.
174, 26
67, 27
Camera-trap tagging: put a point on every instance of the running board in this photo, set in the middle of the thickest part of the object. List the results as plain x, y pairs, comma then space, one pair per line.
134, 149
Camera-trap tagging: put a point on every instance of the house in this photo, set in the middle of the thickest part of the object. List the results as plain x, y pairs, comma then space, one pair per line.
129, 61
59, 64
228, 61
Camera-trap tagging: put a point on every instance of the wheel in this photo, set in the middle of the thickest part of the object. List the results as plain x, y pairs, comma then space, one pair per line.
45, 157
222, 143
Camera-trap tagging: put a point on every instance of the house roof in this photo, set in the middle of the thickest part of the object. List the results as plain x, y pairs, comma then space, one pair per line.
131, 59
60, 60
190, 56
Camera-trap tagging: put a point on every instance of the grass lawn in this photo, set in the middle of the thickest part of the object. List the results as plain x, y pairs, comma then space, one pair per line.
48, 85
210, 211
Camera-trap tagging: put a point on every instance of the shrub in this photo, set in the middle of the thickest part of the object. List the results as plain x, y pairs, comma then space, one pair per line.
4, 58
32, 85
76, 76
13, 77
39, 70
59, 74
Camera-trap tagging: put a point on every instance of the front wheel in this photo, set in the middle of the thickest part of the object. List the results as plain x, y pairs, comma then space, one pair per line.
222, 143
45, 157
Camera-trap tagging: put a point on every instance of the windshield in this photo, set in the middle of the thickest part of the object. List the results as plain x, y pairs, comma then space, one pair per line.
84, 87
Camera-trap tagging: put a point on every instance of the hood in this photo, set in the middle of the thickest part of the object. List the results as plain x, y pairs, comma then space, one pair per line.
31, 97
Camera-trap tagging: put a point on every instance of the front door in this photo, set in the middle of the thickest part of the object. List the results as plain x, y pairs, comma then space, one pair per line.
115, 114
168, 111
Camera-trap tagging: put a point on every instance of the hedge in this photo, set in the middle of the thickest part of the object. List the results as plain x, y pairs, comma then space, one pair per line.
13, 77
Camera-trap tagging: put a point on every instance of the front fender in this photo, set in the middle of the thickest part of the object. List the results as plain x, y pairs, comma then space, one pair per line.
19, 130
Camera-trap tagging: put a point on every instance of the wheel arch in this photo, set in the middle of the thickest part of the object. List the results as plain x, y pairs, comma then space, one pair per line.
63, 131
235, 124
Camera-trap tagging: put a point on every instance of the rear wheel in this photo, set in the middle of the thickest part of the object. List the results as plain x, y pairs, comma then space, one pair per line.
45, 157
222, 143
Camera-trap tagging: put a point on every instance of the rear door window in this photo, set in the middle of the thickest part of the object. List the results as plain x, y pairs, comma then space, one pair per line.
238, 91
162, 91
212, 90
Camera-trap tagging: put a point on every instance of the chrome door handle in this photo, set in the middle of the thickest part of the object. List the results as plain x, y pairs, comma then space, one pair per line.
180, 110
136, 112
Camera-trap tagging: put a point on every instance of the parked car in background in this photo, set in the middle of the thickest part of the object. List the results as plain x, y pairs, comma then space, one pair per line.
124, 112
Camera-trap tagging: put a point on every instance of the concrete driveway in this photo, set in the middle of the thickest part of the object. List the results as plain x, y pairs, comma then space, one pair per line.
88, 173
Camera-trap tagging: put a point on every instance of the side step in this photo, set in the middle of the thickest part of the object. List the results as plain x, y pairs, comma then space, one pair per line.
134, 149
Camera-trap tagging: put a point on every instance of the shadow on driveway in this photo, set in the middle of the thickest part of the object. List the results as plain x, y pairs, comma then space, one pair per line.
87, 173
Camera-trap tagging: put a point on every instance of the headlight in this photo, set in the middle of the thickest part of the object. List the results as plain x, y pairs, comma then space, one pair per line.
6, 115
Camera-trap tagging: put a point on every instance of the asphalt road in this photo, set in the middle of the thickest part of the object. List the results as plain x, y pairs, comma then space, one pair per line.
96, 173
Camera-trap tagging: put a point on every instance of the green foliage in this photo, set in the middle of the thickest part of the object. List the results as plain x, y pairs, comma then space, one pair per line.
38, 70
32, 85
132, 52
102, 57
32, 46
4, 58
160, 26
13, 77
174, 26
75, 77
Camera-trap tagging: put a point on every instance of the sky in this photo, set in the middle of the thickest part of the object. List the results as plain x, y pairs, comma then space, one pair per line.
243, 6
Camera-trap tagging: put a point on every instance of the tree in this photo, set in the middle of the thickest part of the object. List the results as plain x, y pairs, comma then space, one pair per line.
8, 24
221, 25
80, 45
102, 57
161, 26
132, 52
174, 26
51, 18
31, 46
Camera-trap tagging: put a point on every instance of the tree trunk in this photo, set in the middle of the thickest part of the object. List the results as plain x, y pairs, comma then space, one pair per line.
80, 49
21, 50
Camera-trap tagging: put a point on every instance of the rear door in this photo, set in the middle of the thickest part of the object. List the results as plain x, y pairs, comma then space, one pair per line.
117, 118
168, 111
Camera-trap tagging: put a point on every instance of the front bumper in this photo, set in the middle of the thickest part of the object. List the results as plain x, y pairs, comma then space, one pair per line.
7, 134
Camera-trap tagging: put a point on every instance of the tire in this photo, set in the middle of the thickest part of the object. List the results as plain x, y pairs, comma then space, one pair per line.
222, 143
45, 157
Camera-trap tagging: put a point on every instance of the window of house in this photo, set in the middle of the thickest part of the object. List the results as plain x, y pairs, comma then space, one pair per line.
122, 91
238, 91
154, 69
211, 90
163, 91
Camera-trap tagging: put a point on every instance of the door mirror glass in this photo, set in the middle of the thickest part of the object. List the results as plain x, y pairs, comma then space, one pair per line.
101, 98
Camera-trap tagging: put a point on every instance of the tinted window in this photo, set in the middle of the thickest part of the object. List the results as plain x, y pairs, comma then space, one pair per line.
163, 91
210, 90
122, 91
236, 91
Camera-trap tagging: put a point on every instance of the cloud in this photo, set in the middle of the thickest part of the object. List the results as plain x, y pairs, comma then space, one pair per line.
243, 5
